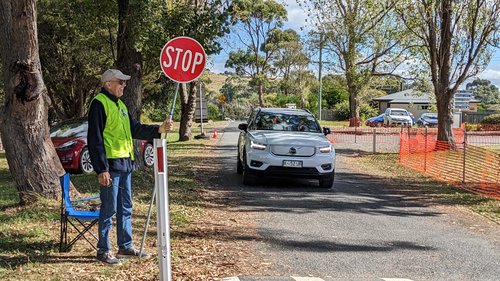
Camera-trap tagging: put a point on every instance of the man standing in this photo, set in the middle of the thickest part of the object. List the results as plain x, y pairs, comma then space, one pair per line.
110, 142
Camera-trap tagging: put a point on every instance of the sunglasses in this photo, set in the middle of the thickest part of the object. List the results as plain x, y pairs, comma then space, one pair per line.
121, 82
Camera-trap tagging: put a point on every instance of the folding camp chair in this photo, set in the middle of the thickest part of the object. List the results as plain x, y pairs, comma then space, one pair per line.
81, 220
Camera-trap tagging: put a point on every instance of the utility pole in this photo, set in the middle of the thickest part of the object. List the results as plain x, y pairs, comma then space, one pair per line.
320, 76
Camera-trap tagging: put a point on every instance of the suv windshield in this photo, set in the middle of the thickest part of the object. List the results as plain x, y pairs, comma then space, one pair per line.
69, 129
399, 113
286, 122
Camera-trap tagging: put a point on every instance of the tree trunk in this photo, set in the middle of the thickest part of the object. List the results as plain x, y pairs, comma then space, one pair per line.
353, 99
188, 103
445, 118
32, 159
261, 94
129, 61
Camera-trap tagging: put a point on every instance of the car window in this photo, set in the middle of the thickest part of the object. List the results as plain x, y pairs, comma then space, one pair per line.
430, 116
69, 129
399, 113
285, 122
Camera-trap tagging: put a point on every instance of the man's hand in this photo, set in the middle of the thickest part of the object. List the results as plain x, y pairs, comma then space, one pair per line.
166, 126
104, 179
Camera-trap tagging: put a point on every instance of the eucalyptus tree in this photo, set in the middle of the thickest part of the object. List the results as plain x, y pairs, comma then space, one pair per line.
257, 23
291, 64
363, 37
32, 159
484, 91
74, 49
206, 21
456, 38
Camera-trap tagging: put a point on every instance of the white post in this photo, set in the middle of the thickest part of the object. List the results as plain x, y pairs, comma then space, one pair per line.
162, 209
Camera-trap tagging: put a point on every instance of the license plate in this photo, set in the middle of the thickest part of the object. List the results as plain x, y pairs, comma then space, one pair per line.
292, 163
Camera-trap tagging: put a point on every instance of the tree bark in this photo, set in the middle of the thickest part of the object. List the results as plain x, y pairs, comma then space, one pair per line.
129, 61
261, 94
188, 103
32, 159
445, 118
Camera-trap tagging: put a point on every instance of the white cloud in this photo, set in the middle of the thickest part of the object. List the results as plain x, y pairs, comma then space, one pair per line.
296, 16
492, 75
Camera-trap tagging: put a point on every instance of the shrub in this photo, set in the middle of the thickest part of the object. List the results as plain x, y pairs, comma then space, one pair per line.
492, 119
213, 112
342, 111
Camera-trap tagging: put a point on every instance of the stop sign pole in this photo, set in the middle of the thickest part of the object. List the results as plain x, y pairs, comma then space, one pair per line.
182, 59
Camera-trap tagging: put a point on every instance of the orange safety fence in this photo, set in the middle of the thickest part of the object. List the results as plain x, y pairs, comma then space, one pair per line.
467, 166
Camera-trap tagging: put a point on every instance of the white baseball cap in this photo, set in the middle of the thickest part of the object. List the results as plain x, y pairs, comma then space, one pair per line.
111, 74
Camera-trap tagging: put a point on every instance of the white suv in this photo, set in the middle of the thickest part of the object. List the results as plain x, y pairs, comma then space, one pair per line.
397, 117
284, 142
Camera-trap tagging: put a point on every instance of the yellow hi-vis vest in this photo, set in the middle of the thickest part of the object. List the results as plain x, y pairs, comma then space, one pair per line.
117, 134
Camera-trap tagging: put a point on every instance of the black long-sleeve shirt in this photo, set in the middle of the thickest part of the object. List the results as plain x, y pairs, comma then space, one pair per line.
95, 138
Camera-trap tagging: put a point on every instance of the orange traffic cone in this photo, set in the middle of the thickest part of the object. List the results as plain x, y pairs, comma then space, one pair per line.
214, 136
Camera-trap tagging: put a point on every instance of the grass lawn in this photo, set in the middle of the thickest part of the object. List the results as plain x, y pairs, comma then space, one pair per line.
207, 238
29, 235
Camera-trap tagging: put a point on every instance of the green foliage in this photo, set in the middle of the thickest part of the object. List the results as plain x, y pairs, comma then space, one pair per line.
492, 119
342, 111
363, 38
235, 88
258, 24
277, 100
484, 91
213, 112
334, 90
75, 47
238, 109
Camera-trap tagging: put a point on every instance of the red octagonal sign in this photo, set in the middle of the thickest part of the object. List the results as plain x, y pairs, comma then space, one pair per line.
183, 59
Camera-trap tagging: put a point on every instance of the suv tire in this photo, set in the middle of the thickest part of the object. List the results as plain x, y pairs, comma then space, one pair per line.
248, 177
239, 166
327, 181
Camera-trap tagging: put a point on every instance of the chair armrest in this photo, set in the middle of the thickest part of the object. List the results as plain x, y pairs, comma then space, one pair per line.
85, 199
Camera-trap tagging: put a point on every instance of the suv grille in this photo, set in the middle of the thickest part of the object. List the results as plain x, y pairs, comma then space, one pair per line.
293, 150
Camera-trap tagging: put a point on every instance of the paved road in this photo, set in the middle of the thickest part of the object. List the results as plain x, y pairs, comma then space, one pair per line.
358, 230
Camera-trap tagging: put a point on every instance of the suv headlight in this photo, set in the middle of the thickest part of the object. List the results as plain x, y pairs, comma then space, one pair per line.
256, 145
325, 149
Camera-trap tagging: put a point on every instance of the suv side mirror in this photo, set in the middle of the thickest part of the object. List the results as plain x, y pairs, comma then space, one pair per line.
326, 131
243, 126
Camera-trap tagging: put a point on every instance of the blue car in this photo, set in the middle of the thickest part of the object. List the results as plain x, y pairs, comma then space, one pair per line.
376, 121
428, 119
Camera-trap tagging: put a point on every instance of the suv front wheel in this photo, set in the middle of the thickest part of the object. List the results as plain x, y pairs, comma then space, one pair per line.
326, 181
248, 177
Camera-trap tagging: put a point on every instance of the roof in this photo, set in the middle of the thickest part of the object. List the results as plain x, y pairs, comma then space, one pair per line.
406, 96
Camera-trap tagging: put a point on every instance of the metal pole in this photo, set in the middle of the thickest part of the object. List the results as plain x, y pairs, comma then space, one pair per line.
425, 150
153, 196
162, 210
465, 152
320, 76
374, 140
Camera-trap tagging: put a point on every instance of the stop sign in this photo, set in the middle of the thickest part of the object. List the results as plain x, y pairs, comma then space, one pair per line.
182, 59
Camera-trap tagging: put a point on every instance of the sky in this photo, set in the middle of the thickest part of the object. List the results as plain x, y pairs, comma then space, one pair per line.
297, 21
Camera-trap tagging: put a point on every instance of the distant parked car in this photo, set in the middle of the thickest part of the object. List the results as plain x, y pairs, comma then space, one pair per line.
397, 117
283, 142
376, 121
70, 141
428, 119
